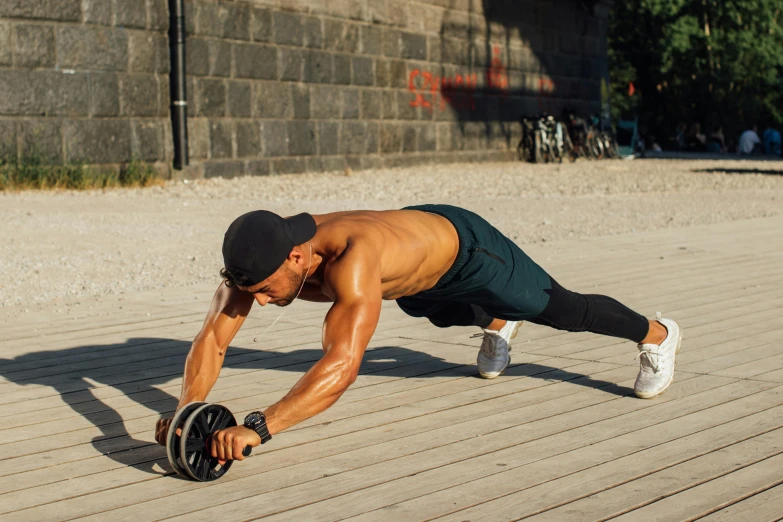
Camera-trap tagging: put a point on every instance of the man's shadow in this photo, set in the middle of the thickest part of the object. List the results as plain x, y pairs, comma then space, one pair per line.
138, 366
768, 172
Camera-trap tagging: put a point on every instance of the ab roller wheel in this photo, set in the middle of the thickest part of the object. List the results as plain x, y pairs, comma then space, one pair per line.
172, 439
188, 452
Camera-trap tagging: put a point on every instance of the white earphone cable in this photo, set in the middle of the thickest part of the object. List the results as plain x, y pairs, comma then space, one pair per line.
309, 264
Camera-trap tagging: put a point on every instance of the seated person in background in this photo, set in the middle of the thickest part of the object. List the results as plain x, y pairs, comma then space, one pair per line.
679, 135
749, 142
717, 141
696, 140
771, 139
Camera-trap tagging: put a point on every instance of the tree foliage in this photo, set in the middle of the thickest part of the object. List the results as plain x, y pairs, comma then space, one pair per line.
715, 62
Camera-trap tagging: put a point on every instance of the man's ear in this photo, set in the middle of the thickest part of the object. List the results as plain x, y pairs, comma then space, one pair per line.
295, 255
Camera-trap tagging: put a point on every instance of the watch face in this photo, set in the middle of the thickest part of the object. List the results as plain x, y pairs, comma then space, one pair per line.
253, 418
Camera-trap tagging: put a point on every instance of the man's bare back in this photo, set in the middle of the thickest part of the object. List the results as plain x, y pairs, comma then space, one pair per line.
412, 248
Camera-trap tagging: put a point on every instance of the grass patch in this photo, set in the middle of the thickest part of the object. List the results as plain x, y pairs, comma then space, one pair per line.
31, 173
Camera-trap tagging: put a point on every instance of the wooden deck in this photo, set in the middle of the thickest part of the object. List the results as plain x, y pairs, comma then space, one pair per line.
419, 436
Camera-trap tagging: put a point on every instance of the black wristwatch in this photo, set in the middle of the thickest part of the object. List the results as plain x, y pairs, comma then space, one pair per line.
256, 421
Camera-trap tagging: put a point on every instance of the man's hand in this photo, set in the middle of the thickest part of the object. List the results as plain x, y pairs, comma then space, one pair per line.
229, 444
162, 430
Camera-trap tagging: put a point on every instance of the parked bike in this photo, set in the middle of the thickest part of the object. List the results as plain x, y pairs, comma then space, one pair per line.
545, 140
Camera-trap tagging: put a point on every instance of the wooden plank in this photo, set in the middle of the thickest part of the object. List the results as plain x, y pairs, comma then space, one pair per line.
764, 506
713, 495
758, 364
773, 376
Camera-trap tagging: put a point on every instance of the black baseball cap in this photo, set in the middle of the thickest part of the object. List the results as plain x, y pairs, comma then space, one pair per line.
257, 243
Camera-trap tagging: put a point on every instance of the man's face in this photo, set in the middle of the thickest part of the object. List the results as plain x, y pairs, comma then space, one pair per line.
281, 288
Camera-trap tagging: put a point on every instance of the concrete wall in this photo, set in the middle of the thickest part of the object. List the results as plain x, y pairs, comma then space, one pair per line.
281, 86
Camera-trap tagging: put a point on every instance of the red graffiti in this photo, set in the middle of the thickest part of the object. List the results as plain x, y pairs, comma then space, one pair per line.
434, 91
431, 91
546, 88
497, 77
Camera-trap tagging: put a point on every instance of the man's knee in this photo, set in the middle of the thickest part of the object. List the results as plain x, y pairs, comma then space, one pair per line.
441, 321
567, 310
461, 315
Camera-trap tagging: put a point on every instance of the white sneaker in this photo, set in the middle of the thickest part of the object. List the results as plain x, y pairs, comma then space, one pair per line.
656, 370
493, 356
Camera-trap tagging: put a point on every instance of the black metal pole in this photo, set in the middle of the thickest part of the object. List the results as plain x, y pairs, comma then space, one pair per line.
179, 95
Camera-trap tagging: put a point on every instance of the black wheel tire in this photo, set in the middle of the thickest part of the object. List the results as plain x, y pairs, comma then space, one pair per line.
596, 149
173, 440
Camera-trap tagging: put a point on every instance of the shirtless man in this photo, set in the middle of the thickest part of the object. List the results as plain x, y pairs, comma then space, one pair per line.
440, 262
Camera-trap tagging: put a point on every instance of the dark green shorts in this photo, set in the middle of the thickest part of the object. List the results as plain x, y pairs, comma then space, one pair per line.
490, 272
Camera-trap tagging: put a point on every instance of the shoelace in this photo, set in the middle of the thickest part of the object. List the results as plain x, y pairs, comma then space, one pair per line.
492, 351
647, 354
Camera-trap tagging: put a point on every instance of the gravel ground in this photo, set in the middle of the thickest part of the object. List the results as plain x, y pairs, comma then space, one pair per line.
61, 246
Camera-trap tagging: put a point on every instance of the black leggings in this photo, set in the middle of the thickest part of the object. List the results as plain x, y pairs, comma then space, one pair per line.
566, 310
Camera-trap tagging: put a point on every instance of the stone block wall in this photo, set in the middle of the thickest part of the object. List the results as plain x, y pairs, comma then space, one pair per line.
282, 86
85, 81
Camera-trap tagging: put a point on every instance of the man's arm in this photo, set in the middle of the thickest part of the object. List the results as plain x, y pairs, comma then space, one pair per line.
355, 282
227, 312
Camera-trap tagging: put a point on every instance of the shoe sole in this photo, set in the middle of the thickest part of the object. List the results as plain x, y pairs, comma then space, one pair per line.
494, 375
676, 351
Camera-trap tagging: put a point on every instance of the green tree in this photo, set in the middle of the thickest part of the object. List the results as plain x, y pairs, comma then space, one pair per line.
716, 62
